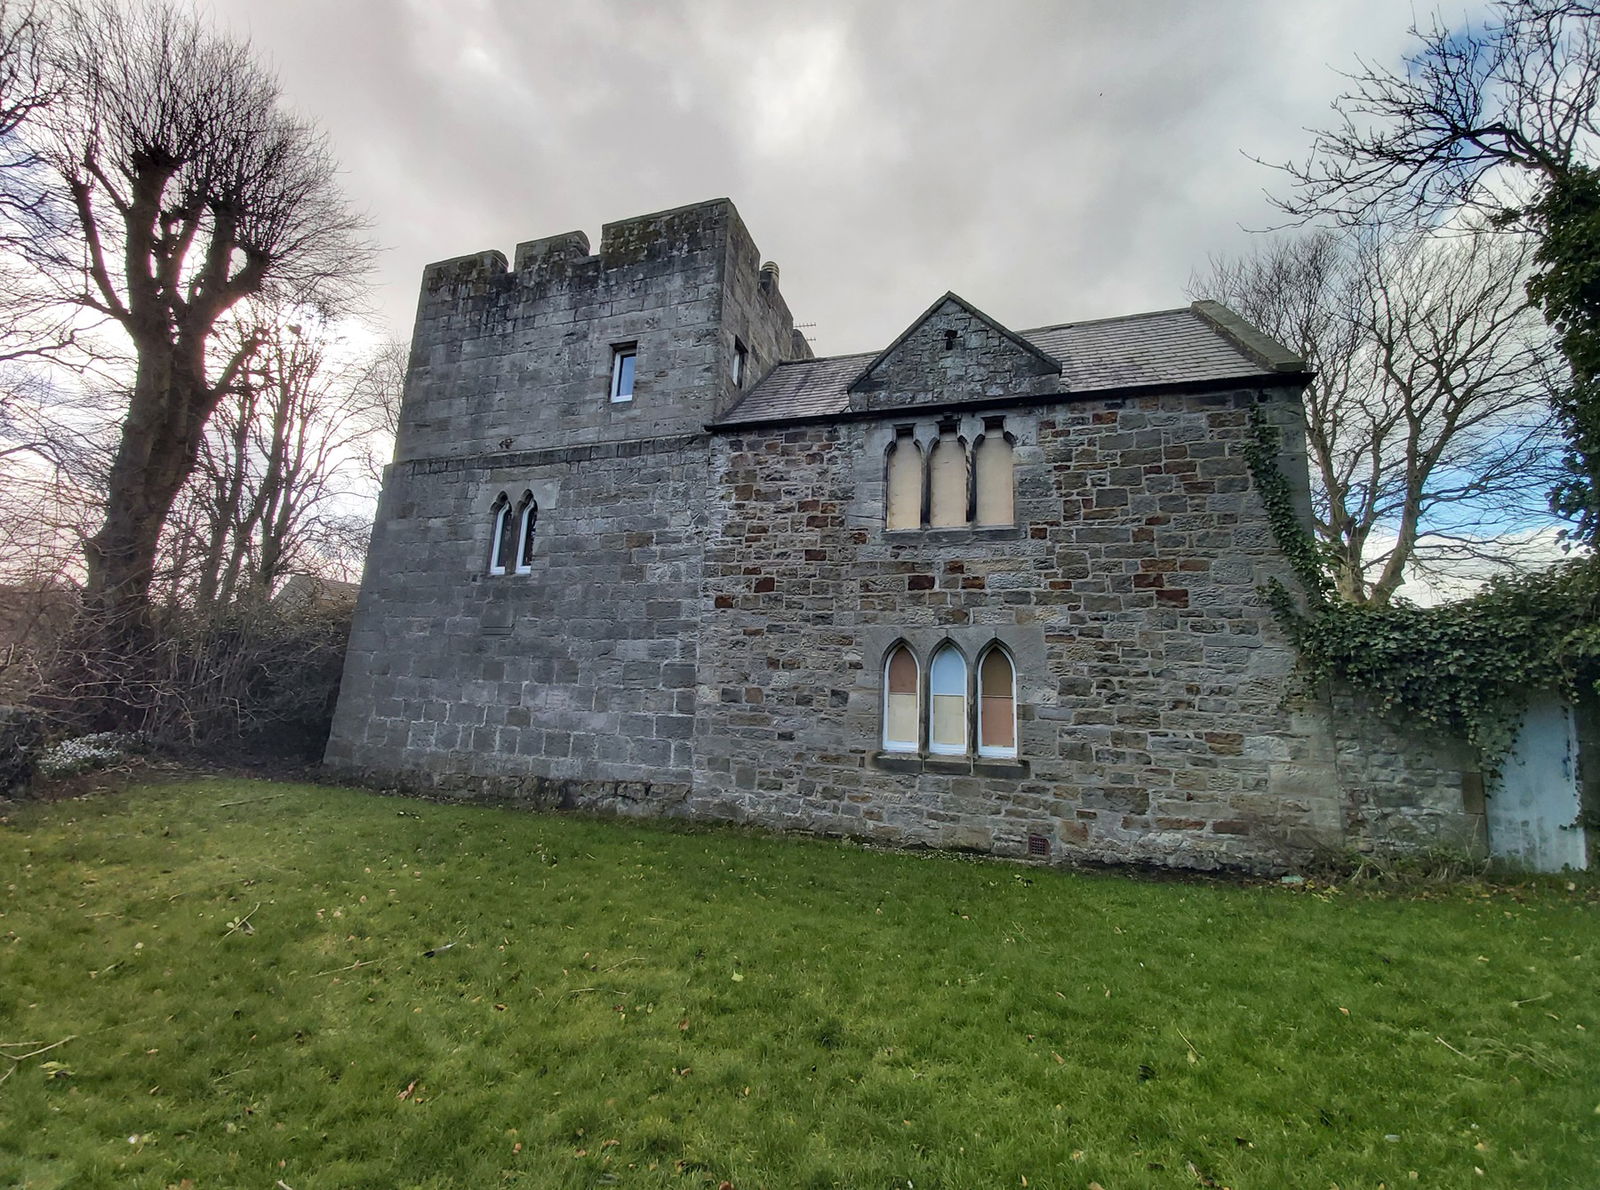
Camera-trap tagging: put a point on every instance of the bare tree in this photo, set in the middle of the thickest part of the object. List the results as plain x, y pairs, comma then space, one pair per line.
379, 386
1439, 132
283, 469
1428, 420
1498, 118
24, 93
30, 212
188, 188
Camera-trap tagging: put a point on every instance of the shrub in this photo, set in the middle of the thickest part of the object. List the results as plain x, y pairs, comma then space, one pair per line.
260, 680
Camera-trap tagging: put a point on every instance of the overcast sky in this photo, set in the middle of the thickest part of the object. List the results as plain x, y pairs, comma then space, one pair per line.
1049, 161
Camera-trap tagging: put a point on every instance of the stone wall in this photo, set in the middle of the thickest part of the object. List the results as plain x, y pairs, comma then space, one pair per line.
1151, 678
584, 668
705, 620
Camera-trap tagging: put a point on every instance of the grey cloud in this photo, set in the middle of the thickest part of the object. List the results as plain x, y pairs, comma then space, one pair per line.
1048, 161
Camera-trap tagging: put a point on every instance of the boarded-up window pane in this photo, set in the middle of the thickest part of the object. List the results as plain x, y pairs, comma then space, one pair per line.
947, 686
997, 715
995, 481
905, 486
947, 484
900, 703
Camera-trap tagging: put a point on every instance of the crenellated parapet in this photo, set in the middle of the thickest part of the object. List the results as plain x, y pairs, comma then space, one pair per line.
526, 351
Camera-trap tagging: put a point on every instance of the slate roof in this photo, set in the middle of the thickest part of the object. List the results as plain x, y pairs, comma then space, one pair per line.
1166, 347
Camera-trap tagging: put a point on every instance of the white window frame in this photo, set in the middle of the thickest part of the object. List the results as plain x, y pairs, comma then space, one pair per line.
502, 510
530, 508
990, 749
934, 747
620, 352
892, 745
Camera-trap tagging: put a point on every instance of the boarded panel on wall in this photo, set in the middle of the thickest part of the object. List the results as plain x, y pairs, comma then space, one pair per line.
995, 486
905, 485
947, 484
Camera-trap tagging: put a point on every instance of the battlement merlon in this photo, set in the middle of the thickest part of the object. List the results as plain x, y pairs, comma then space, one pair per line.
699, 244
658, 237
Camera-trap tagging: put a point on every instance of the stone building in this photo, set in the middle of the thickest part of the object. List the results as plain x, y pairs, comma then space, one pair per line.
985, 588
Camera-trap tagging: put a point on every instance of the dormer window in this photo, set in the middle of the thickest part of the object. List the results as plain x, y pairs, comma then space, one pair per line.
740, 362
623, 358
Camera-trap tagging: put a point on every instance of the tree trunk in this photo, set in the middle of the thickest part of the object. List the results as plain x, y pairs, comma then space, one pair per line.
160, 442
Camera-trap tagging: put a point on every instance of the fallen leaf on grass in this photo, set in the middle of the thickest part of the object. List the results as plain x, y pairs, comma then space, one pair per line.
406, 1094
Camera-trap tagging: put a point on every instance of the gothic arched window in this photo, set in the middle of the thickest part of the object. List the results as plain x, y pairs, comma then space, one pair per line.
995, 480
903, 486
947, 483
997, 704
947, 702
527, 519
900, 717
502, 541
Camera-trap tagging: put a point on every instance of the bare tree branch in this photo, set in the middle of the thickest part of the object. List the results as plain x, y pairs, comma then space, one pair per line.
1429, 412
187, 187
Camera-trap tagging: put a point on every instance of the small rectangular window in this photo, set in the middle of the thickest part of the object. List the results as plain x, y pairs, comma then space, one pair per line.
623, 358
740, 360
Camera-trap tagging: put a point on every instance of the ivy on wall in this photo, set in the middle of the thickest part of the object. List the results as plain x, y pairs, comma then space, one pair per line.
1468, 668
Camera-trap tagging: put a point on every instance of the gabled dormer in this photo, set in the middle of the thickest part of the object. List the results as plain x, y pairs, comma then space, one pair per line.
954, 353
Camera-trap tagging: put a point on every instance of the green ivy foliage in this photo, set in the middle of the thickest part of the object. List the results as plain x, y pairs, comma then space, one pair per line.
1466, 668
1567, 290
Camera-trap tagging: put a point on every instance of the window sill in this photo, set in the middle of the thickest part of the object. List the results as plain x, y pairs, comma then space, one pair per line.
953, 534
951, 766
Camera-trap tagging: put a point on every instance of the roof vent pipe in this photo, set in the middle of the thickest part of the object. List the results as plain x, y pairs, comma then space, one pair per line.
769, 275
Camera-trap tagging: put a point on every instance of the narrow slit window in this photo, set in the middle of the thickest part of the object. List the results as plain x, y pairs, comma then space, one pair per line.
741, 361
500, 541
900, 701
997, 705
526, 525
623, 360
947, 698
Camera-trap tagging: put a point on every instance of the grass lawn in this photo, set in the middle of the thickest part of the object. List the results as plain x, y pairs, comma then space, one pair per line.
628, 1004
